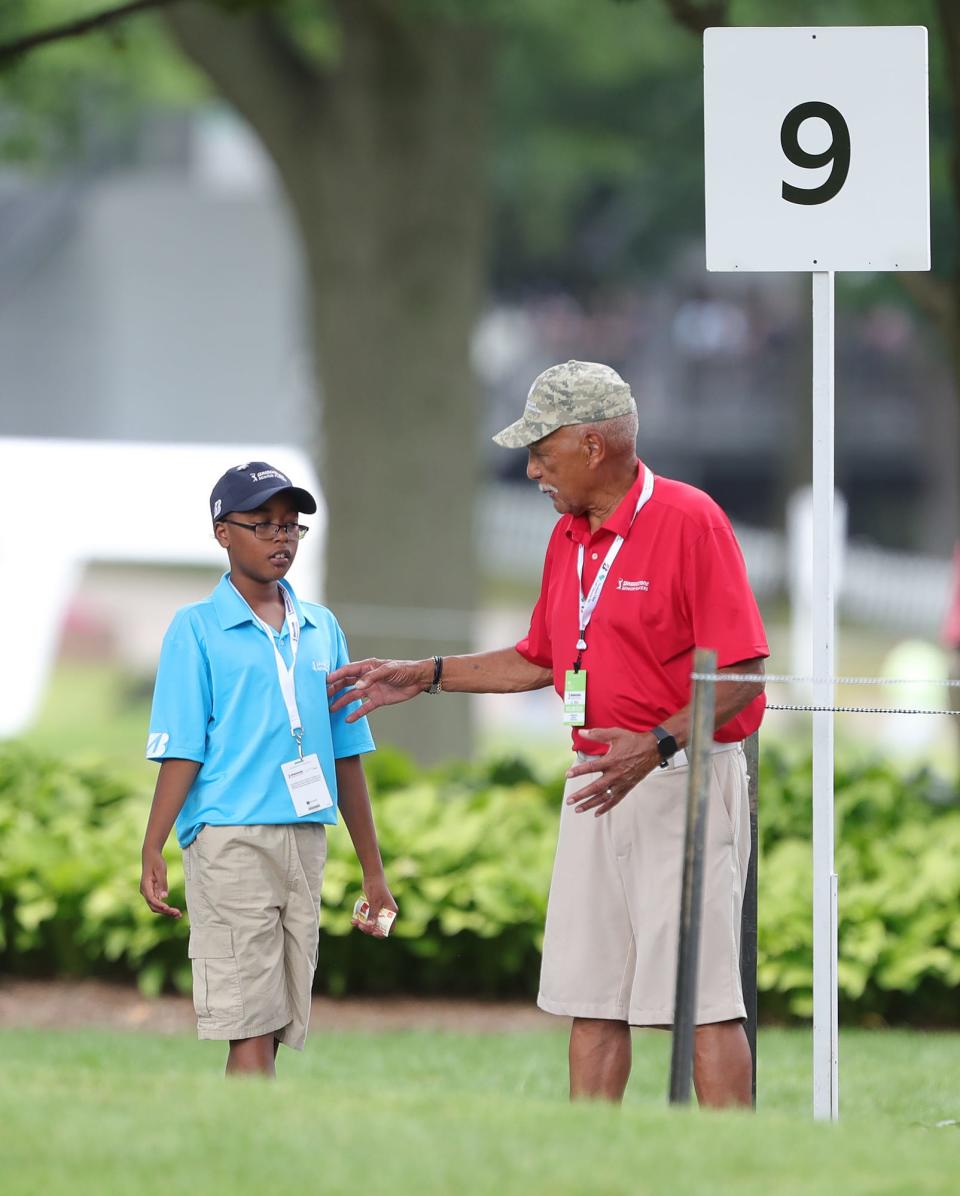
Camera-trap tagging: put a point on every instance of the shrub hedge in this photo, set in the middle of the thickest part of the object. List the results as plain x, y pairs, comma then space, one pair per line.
469, 850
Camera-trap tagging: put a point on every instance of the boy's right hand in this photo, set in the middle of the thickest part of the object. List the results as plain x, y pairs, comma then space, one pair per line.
153, 883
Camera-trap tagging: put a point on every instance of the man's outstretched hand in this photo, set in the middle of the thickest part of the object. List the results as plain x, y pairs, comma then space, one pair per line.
376, 683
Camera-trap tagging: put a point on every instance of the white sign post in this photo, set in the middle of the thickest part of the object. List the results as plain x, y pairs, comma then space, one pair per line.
816, 159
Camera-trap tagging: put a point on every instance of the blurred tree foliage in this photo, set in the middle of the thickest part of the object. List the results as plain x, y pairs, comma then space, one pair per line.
77, 101
599, 150
596, 154
597, 166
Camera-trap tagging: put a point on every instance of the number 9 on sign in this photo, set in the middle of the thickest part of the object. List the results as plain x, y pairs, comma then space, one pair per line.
815, 148
837, 152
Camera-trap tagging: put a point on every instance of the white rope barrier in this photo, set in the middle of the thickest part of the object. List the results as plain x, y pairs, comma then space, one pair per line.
780, 678
784, 678
858, 709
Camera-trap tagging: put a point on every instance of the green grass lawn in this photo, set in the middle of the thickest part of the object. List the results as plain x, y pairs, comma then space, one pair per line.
423, 1113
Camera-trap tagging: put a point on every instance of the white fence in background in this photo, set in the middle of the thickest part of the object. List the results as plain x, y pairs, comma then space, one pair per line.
902, 591
135, 503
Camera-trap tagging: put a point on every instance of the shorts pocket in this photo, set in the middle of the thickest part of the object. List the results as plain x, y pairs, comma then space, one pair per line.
216, 977
720, 794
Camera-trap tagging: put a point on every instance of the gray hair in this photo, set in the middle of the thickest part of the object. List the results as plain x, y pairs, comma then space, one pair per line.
620, 433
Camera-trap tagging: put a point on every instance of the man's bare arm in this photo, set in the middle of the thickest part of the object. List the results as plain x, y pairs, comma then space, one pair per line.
384, 682
731, 698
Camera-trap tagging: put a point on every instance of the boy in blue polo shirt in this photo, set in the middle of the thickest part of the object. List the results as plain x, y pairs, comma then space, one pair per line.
253, 767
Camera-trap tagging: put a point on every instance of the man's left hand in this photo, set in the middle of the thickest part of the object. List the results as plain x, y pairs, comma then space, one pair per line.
630, 757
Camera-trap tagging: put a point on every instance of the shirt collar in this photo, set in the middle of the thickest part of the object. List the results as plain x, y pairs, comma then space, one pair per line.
303, 615
618, 523
232, 610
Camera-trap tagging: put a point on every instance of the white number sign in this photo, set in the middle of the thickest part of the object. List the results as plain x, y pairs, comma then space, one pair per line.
816, 149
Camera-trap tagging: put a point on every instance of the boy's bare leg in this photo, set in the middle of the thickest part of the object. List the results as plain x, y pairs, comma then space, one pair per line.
722, 1066
600, 1056
252, 1056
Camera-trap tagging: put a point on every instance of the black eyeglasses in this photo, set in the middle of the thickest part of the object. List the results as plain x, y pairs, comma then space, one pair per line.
271, 531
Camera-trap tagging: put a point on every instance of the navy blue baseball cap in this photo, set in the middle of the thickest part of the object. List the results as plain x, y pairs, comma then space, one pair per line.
248, 486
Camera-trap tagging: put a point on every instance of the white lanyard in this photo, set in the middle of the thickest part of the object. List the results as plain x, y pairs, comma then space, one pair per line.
285, 675
588, 605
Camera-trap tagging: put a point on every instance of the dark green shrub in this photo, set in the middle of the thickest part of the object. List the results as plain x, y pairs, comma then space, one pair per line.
469, 850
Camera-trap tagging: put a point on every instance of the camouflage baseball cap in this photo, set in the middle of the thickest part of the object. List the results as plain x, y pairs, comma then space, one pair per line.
577, 392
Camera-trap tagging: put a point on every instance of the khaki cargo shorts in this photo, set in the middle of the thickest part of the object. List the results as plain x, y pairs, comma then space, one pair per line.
610, 946
253, 896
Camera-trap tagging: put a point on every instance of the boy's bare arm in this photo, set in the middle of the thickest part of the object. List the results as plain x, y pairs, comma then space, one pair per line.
354, 803
173, 785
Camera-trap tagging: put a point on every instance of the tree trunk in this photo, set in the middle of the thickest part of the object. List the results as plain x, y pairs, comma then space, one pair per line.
383, 159
396, 241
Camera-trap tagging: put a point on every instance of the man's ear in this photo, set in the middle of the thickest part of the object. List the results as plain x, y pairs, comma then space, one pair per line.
222, 534
596, 447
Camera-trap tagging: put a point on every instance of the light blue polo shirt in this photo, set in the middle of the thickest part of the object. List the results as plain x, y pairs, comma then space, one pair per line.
217, 700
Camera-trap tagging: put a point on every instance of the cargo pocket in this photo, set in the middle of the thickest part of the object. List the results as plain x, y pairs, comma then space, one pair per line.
216, 978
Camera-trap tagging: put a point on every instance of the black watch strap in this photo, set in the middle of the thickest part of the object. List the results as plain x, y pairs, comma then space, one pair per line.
667, 746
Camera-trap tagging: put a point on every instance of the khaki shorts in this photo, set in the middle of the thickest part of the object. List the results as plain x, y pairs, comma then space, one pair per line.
253, 896
610, 947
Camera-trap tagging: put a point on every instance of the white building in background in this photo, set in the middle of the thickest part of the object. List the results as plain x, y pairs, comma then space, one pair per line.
151, 336
159, 305
133, 503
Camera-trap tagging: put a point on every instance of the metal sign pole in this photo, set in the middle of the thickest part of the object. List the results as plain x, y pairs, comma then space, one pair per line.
826, 1103
748, 919
691, 891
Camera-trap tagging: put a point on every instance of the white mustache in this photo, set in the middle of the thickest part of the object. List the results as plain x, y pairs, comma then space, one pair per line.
548, 489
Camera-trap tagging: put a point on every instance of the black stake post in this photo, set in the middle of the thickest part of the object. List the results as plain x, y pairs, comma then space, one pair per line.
691, 896
748, 921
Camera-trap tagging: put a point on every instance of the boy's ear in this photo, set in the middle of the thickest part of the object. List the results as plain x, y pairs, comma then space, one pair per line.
222, 535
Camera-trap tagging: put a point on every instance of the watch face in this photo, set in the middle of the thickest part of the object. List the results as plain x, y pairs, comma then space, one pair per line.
667, 746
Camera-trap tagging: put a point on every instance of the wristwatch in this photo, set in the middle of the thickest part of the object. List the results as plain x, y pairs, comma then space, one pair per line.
667, 746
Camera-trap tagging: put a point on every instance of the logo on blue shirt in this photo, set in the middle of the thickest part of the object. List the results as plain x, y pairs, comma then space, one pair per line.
157, 743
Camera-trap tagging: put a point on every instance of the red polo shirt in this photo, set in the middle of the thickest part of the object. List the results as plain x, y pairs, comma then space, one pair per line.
678, 583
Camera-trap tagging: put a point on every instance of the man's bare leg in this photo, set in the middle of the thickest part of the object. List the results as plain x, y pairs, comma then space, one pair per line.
600, 1055
722, 1066
252, 1056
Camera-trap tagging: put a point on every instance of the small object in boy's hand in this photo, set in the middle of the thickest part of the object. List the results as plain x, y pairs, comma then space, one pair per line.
361, 911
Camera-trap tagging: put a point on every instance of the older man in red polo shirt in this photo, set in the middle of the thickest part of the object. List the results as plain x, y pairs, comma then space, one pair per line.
639, 571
